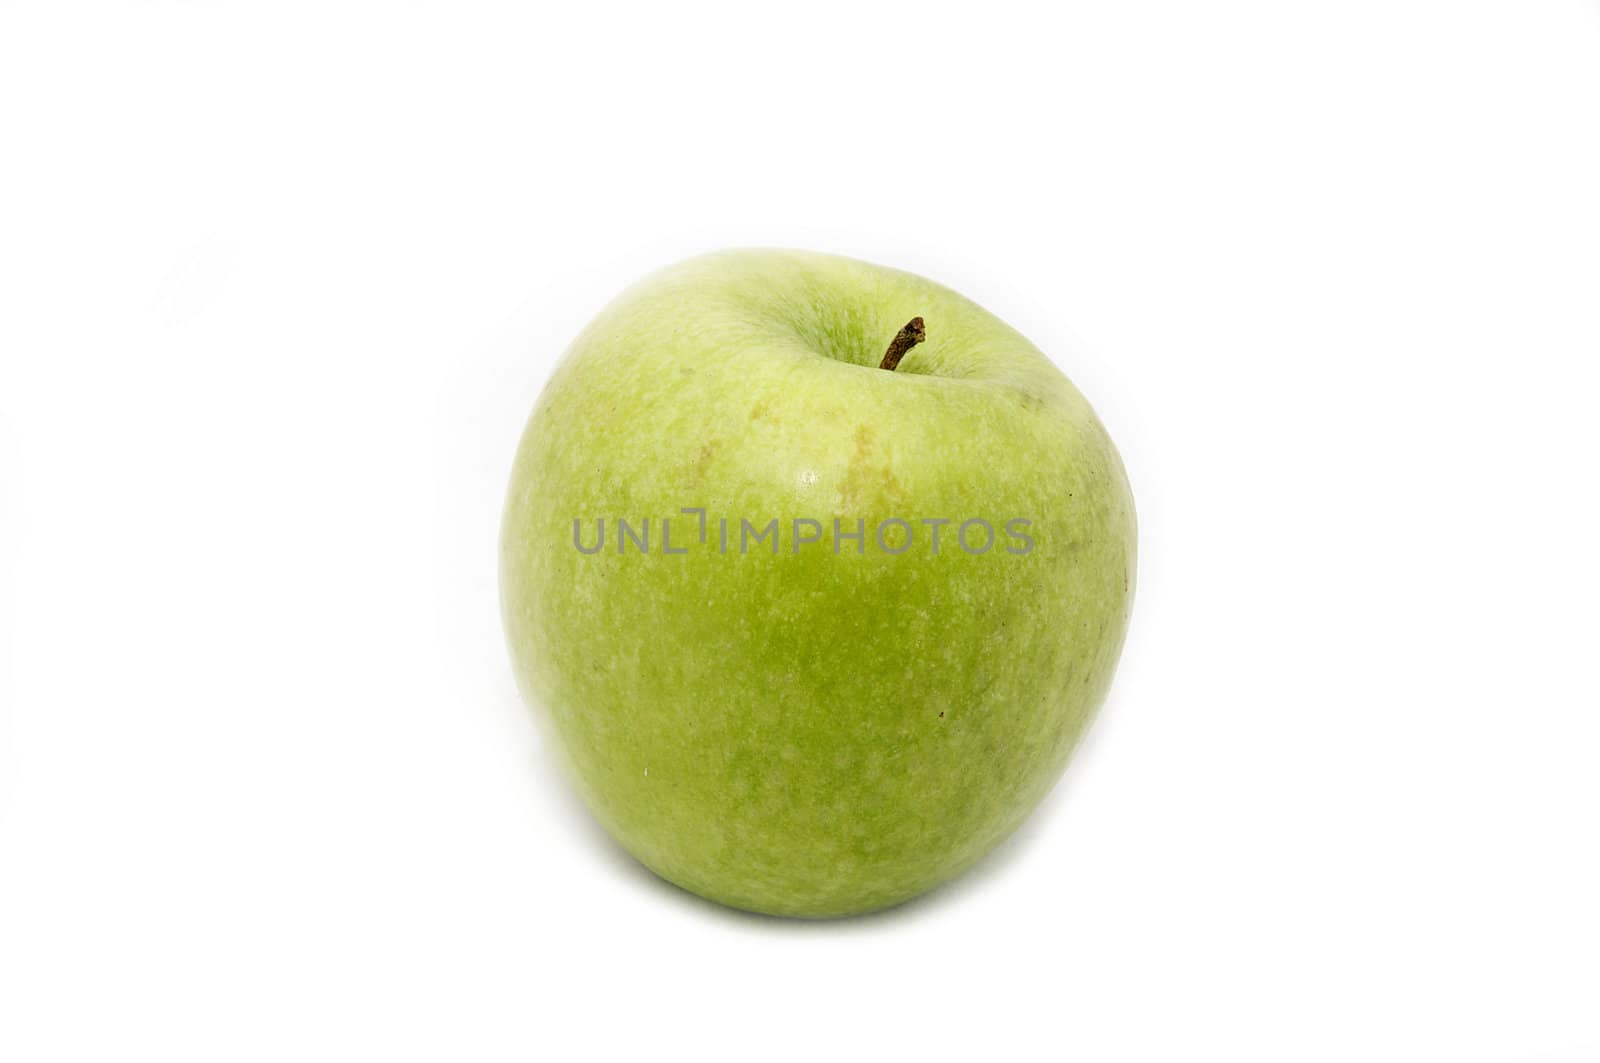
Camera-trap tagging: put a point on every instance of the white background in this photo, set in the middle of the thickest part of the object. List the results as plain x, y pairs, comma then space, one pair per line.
279, 284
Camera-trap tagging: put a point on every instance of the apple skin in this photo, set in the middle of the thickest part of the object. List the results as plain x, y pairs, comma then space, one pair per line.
812, 733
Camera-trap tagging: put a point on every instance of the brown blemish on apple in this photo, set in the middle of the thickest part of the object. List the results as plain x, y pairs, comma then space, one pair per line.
869, 484
702, 462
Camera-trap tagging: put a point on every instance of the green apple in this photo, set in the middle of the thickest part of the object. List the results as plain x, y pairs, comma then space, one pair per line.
818, 597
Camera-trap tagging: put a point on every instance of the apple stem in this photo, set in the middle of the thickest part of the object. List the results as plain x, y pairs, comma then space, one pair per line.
903, 341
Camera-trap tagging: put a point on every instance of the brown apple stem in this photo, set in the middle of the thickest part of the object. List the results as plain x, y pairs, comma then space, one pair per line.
903, 341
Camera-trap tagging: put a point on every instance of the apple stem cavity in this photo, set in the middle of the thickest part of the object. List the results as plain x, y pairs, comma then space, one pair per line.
903, 341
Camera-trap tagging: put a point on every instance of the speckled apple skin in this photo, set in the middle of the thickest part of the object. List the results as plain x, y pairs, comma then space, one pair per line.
812, 734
